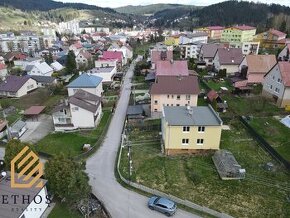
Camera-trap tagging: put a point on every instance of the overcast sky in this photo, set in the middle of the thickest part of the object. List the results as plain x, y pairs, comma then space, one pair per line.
118, 3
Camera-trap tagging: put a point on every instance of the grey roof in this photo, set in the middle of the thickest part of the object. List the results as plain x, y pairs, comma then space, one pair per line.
84, 95
83, 104
101, 70
134, 110
8, 210
29, 68
13, 83
196, 116
16, 127
60, 107
43, 79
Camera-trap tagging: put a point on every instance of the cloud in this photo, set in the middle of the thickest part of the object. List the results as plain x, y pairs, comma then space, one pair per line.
118, 3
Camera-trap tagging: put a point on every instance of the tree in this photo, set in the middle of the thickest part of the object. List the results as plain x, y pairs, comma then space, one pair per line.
13, 147
66, 179
283, 26
50, 58
71, 64
191, 64
83, 32
10, 46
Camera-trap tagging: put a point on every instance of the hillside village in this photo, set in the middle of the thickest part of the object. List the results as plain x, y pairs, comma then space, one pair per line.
207, 119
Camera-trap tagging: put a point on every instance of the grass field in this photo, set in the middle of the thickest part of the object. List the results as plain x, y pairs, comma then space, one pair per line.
71, 144
61, 210
261, 194
216, 85
275, 133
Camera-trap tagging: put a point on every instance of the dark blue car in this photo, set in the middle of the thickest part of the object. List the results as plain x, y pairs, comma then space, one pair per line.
162, 205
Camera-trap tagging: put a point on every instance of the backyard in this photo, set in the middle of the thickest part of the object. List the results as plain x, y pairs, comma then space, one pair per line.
275, 133
63, 211
71, 143
262, 194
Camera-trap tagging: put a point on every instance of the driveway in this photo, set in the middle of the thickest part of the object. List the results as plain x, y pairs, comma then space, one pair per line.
37, 129
120, 202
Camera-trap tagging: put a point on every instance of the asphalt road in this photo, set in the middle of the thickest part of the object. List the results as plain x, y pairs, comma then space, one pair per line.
120, 202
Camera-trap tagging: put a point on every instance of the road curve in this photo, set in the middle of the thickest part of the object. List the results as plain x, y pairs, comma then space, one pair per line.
119, 201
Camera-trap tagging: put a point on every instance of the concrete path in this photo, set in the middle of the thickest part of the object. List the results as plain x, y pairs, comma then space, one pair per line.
120, 202
37, 129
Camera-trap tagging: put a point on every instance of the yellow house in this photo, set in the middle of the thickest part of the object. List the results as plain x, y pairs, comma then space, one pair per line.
271, 39
172, 40
236, 35
190, 129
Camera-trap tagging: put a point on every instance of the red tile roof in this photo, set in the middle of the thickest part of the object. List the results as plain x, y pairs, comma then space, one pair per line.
260, 63
212, 95
156, 55
244, 27
171, 68
175, 85
2, 66
277, 33
34, 110
86, 54
215, 27
285, 72
113, 55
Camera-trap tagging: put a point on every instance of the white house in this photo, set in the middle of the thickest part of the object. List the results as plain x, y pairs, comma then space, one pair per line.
106, 63
17, 86
86, 82
83, 58
107, 73
200, 37
35, 205
28, 61
3, 71
56, 66
39, 69
81, 110
190, 50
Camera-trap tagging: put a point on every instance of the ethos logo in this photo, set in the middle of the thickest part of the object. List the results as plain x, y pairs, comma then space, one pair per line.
31, 170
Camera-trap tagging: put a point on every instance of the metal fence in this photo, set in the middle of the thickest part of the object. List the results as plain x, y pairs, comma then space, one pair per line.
162, 194
264, 144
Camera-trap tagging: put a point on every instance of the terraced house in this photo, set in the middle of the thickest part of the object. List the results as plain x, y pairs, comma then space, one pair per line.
190, 129
173, 91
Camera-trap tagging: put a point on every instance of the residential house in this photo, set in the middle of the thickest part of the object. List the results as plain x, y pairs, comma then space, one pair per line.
250, 48
277, 84
157, 55
190, 129
284, 55
117, 55
23, 205
106, 63
43, 81
39, 69
24, 62
106, 73
208, 51
17, 86
213, 32
172, 40
82, 110
3, 71
197, 37
173, 91
125, 49
190, 50
254, 67
76, 47
18, 129
86, 82
83, 59
236, 35
172, 68
271, 39
228, 59
56, 66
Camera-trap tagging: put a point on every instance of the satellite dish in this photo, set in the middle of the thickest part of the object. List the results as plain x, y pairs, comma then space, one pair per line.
3, 174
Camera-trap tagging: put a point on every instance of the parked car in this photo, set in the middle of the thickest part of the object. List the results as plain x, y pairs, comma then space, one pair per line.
162, 205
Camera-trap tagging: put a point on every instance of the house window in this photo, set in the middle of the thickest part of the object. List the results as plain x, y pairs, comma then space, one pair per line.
279, 80
178, 97
75, 109
277, 90
187, 97
185, 141
167, 96
155, 110
172, 96
167, 105
271, 87
273, 77
199, 141
201, 129
171, 104
177, 105
155, 102
186, 129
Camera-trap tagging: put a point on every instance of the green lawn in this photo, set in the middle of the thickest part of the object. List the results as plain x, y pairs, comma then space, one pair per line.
61, 210
71, 143
275, 133
216, 85
261, 194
